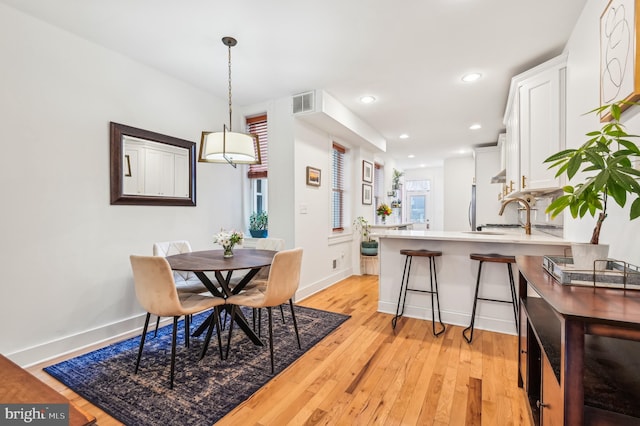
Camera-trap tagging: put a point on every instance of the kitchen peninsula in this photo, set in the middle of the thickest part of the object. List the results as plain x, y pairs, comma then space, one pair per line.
457, 273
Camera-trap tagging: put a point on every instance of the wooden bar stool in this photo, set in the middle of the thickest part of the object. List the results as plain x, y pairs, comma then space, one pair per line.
433, 283
495, 258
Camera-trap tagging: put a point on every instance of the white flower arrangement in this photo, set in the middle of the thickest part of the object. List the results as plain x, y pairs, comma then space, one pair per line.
228, 239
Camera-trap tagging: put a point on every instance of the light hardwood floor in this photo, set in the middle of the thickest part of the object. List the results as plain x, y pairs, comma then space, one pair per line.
367, 374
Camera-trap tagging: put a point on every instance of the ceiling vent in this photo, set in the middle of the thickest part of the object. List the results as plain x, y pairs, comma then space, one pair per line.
303, 102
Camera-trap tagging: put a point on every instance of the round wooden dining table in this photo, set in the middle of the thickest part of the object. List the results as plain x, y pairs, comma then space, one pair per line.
200, 262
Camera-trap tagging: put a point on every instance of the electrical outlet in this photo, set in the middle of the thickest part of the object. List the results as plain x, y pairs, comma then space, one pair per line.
335, 263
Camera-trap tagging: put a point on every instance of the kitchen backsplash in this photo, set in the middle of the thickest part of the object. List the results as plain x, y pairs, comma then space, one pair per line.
541, 221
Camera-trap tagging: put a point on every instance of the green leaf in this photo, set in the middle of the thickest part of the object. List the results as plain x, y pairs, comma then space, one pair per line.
595, 159
615, 111
560, 155
573, 166
629, 145
618, 193
635, 209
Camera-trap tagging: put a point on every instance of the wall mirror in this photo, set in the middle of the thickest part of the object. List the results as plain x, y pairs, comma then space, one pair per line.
148, 168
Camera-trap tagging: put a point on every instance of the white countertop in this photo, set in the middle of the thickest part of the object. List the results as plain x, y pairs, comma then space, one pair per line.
391, 225
478, 236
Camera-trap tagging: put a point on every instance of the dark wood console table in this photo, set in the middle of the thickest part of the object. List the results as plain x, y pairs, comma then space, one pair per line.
579, 350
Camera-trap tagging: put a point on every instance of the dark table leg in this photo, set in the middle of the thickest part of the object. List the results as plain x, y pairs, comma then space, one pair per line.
240, 319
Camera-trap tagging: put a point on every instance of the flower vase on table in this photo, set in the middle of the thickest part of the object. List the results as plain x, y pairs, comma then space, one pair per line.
228, 240
383, 211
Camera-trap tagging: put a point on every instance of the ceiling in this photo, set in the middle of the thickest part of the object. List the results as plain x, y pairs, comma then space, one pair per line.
409, 55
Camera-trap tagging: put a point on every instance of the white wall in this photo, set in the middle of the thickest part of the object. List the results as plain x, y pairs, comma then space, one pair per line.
583, 95
458, 178
313, 148
66, 276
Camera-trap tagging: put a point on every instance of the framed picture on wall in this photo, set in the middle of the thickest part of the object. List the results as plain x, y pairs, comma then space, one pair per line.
367, 193
619, 67
367, 171
313, 176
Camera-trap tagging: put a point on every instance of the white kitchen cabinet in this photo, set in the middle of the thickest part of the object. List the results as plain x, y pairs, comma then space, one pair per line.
535, 124
154, 169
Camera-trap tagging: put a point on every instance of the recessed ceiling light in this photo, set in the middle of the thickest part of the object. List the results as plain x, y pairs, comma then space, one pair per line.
411, 156
423, 165
474, 76
475, 126
367, 99
404, 136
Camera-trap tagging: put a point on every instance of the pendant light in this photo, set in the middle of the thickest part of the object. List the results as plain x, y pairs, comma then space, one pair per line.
228, 146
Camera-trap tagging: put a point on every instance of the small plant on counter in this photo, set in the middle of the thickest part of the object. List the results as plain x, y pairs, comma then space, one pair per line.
609, 154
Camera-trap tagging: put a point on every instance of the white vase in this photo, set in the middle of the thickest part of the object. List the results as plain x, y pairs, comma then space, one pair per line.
585, 254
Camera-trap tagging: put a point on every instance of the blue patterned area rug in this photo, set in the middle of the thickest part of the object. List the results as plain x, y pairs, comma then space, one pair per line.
204, 391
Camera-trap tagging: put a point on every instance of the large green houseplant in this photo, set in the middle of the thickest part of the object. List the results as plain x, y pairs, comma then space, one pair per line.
606, 159
259, 224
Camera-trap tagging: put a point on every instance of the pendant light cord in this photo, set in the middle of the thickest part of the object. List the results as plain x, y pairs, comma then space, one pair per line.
229, 87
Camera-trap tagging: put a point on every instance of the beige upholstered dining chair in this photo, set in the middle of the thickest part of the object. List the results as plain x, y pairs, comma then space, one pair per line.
186, 281
156, 292
281, 285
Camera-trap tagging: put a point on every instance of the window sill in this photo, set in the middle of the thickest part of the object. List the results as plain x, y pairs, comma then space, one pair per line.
340, 237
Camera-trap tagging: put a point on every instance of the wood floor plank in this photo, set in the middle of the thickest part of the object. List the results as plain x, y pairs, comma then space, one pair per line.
366, 373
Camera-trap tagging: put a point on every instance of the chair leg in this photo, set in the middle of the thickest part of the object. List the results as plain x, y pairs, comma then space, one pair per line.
399, 312
144, 334
295, 323
271, 338
514, 297
157, 325
216, 311
282, 313
233, 315
187, 330
173, 350
434, 278
216, 323
473, 311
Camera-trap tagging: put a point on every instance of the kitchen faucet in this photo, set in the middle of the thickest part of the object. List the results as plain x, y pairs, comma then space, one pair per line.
527, 225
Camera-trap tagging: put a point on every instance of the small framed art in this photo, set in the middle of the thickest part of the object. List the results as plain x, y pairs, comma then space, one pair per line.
367, 191
313, 176
367, 171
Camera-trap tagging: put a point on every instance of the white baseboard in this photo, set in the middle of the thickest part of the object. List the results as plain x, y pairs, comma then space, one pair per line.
462, 319
76, 342
318, 286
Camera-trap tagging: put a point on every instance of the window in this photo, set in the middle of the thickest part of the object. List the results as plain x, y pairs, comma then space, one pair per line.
418, 200
337, 187
258, 126
378, 184
258, 172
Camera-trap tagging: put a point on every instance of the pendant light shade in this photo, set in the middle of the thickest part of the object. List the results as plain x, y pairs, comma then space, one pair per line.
228, 146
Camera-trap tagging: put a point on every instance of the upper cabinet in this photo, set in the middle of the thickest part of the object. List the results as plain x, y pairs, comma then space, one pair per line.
535, 124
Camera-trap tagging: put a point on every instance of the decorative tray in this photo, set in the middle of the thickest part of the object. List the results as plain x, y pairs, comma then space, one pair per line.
616, 274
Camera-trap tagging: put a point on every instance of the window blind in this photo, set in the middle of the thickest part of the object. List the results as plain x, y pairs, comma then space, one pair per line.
258, 125
337, 187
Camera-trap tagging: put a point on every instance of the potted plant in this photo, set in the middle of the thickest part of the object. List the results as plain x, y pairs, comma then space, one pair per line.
395, 179
606, 157
368, 247
259, 224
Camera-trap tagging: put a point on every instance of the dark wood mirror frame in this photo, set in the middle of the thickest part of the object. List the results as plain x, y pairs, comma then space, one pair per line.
117, 132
